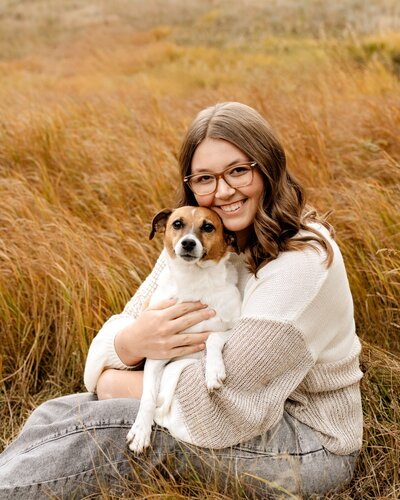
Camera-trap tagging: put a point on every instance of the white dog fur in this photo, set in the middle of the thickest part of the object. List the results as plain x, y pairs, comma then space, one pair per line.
198, 269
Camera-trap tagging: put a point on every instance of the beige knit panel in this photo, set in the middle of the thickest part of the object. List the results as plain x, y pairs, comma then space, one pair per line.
329, 401
135, 305
265, 361
335, 375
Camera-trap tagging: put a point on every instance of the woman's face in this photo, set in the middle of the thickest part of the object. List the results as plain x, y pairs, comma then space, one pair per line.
236, 207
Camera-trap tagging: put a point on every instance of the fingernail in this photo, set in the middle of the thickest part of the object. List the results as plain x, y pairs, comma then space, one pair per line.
211, 312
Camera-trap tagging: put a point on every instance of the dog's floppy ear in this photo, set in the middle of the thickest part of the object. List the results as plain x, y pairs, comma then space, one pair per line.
231, 240
159, 222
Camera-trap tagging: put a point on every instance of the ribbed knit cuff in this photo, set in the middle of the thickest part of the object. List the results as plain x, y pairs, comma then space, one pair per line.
111, 330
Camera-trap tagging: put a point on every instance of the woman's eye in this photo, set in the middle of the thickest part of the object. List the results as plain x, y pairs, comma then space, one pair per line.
203, 179
208, 228
239, 170
177, 224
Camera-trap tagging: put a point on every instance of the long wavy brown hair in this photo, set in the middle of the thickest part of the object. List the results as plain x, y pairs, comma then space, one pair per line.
282, 211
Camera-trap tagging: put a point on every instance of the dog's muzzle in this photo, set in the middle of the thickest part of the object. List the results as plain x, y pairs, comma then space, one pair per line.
189, 249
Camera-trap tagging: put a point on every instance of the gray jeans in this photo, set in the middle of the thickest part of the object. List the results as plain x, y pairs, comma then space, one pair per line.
71, 446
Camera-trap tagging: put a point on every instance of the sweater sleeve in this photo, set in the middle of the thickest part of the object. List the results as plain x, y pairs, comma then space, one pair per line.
290, 316
265, 361
102, 354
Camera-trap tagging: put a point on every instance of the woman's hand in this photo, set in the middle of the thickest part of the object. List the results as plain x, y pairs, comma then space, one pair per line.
156, 333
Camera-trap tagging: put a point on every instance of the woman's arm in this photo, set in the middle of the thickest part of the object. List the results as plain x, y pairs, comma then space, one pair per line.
295, 313
120, 384
156, 332
127, 338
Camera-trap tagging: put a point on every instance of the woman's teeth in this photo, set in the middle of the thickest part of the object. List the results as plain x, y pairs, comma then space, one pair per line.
232, 207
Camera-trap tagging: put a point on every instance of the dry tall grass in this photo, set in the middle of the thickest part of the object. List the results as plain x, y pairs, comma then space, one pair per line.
93, 104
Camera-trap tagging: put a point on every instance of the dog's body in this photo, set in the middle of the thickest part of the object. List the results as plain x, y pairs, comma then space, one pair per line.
198, 269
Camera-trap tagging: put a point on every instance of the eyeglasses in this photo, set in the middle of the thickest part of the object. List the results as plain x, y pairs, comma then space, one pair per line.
237, 176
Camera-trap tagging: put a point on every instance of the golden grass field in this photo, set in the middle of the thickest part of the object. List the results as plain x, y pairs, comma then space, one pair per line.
94, 100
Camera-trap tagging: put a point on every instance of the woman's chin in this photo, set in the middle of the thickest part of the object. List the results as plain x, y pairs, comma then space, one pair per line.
237, 226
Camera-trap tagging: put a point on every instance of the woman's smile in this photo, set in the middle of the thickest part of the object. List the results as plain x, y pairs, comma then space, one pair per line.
231, 208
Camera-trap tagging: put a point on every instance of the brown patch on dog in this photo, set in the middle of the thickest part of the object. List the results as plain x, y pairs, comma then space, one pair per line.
194, 220
231, 240
214, 242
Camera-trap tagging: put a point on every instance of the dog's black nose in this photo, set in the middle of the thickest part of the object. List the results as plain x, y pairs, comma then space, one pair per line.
188, 244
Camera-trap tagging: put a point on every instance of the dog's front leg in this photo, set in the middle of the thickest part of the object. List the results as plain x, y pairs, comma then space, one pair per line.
215, 368
139, 435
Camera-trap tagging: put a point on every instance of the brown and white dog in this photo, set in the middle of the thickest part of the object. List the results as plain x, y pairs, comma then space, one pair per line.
197, 250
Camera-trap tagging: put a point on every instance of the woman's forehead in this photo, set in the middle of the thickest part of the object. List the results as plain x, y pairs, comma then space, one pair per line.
215, 155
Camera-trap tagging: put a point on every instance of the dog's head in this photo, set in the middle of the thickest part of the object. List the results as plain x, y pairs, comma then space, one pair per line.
193, 234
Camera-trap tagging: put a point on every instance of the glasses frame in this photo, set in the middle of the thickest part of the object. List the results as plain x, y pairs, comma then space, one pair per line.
220, 175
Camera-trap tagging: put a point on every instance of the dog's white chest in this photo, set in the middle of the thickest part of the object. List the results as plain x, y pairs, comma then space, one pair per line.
214, 285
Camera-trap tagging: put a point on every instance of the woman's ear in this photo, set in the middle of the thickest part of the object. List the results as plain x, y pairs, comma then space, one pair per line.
231, 240
159, 222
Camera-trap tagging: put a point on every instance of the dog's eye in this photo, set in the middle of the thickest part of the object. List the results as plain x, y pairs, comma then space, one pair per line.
207, 227
177, 224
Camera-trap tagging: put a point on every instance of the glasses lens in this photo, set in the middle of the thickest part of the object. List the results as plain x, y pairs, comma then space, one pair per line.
203, 184
239, 176
236, 177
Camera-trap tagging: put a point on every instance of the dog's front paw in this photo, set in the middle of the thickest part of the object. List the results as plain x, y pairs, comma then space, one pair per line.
138, 437
215, 376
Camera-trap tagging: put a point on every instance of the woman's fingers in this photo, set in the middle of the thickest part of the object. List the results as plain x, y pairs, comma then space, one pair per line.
188, 349
189, 339
173, 310
186, 321
183, 308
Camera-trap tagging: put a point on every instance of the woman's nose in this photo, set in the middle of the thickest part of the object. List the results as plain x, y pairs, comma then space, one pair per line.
224, 190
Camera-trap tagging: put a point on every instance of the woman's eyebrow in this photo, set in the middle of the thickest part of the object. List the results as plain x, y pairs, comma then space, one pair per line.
234, 162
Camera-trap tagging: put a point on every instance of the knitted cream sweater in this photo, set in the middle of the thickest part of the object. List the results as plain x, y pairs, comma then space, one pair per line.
293, 349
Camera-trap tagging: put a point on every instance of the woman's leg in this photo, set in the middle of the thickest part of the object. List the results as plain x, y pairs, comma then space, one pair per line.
73, 444
288, 459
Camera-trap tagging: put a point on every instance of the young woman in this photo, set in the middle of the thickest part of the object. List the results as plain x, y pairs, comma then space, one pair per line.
289, 412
